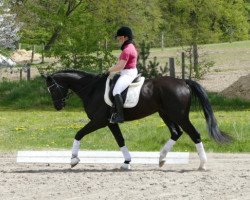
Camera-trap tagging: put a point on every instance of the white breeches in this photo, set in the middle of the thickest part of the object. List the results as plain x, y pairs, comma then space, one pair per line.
126, 78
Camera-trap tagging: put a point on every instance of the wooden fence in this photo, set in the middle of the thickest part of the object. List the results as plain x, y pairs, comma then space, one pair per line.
40, 49
172, 66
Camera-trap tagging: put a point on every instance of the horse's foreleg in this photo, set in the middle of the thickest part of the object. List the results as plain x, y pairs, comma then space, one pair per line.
114, 128
127, 158
74, 158
90, 127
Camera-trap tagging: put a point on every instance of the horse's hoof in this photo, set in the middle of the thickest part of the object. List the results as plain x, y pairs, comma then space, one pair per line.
161, 163
202, 168
125, 166
74, 161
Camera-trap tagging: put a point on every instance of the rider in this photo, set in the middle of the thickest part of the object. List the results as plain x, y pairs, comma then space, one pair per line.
126, 65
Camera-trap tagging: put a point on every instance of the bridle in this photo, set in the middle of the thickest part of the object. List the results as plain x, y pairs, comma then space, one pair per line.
59, 87
62, 98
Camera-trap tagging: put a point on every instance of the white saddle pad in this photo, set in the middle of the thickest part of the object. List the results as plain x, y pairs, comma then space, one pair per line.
132, 97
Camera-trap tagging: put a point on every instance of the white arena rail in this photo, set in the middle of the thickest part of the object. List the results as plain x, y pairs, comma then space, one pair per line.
100, 157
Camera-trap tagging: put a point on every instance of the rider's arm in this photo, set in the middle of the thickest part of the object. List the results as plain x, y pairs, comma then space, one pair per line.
119, 66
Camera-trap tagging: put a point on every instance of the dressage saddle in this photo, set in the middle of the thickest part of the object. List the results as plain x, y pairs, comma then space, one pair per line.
124, 93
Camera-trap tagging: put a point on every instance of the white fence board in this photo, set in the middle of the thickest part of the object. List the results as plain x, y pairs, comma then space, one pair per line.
99, 157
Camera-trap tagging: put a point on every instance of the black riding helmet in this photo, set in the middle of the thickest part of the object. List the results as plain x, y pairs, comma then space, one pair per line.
125, 31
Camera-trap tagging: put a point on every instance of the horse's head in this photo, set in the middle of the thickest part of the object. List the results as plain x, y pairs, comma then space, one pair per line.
58, 92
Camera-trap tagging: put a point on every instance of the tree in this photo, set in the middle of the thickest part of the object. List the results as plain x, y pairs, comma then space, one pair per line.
67, 28
9, 28
143, 16
199, 22
47, 20
78, 31
71, 6
81, 44
44, 20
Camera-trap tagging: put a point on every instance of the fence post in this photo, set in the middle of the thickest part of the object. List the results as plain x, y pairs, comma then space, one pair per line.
43, 53
183, 65
162, 41
21, 74
172, 67
32, 54
28, 71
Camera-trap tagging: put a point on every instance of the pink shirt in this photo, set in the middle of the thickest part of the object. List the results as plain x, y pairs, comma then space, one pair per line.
129, 54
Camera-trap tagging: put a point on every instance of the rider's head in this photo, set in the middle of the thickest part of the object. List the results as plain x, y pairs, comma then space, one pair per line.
124, 33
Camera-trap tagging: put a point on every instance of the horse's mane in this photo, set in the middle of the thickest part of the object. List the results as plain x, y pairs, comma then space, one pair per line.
78, 72
81, 76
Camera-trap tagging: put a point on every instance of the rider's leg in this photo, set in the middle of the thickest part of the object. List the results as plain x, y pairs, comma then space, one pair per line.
118, 117
126, 78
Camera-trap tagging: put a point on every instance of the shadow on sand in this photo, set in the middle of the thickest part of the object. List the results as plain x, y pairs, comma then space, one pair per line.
94, 170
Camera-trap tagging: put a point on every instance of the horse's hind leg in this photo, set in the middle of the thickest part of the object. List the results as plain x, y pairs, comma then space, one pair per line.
175, 135
195, 136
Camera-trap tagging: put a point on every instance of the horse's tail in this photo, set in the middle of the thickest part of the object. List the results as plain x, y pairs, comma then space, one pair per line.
214, 132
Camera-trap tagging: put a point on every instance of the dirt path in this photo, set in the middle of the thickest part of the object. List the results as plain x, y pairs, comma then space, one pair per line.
217, 82
227, 177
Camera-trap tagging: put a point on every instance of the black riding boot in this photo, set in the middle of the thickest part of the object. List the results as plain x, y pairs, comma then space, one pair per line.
118, 116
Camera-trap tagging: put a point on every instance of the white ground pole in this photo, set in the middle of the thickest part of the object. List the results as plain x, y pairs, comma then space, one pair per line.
91, 157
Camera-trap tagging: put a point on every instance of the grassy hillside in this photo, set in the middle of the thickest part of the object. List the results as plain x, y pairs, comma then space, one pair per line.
227, 56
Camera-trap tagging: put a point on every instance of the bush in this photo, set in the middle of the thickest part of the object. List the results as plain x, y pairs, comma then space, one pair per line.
149, 69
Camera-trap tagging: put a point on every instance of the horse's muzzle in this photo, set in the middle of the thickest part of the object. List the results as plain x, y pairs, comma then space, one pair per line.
60, 106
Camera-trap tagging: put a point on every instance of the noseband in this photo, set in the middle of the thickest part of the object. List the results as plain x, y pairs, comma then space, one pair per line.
59, 87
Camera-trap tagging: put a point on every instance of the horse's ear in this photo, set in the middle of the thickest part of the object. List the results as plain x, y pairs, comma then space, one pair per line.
44, 76
49, 78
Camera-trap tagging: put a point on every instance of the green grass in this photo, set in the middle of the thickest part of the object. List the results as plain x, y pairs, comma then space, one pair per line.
219, 102
21, 130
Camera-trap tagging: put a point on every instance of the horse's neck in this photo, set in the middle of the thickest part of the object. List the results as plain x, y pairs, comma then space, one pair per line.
76, 82
82, 85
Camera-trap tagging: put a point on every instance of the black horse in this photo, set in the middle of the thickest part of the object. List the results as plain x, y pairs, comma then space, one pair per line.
168, 96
